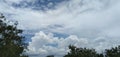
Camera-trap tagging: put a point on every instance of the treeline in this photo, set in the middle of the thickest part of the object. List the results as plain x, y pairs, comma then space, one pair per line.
85, 52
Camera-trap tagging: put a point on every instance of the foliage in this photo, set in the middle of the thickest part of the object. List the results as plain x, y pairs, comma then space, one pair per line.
11, 40
50, 56
81, 52
113, 52
84, 52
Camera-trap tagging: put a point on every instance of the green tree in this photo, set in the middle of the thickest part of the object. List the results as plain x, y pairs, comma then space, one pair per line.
11, 39
81, 52
113, 52
50, 56
100, 55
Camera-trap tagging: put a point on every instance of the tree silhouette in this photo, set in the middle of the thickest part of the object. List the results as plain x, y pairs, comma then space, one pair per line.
81, 52
11, 40
100, 55
50, 56
113, 52
84, 52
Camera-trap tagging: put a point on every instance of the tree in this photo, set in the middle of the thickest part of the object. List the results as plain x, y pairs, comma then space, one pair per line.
50, 56
100, 55
113, 52
81, 52
11, 40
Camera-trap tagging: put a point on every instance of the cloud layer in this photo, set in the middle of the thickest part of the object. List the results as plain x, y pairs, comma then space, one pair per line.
92, 24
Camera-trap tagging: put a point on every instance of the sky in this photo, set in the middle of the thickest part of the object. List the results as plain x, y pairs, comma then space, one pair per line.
50, 26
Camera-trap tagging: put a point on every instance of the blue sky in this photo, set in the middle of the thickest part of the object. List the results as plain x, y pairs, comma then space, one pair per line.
51, 25
38, 4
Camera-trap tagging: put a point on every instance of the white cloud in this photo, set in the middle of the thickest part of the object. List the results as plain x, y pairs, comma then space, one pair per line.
44, 44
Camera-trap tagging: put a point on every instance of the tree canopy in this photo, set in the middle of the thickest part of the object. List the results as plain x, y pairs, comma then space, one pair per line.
84, 52
81, 52
113, 52
11, 39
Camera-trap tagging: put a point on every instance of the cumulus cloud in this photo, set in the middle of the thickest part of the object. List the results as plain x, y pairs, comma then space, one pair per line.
93, 23
46, 44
